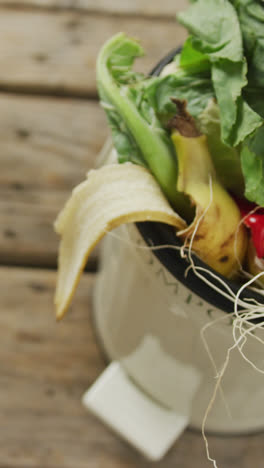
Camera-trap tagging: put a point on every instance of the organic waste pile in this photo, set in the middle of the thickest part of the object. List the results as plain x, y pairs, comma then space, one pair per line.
189, 144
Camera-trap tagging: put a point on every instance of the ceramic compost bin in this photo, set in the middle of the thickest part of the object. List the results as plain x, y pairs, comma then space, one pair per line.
166, 334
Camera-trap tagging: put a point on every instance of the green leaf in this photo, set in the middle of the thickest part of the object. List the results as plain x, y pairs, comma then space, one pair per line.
123, 52
226, 160
255, 98
191, 60
247, 122
228, 79
238, 120
252, 158
123, 141
215, 29
217, 36
196, 90
251, 17
256, 64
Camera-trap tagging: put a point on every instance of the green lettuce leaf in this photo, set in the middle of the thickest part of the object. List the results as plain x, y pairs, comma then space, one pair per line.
255, 98
192, 61
251, 17
123, 141
216, 34
226, 159
247, 122
215, 29
252, 158
196, 90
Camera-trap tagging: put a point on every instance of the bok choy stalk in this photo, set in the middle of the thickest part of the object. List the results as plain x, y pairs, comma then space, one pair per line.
137, 133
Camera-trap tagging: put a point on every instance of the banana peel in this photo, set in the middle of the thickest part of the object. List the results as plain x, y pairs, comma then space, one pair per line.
112, 195
127, 193
216, 234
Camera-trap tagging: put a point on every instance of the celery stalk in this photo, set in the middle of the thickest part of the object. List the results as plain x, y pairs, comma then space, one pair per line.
154, 149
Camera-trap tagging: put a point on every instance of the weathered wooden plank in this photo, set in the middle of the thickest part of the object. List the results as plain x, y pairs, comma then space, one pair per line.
55, 52
47, 142
155, 8
27, 236
45, 368
46, 148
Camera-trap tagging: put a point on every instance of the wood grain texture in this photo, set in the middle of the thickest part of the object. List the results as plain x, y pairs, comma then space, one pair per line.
48, 143
46, 147
45, 368
55, 52
153, 8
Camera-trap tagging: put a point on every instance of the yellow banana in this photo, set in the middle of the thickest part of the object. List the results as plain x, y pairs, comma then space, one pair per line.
218, 238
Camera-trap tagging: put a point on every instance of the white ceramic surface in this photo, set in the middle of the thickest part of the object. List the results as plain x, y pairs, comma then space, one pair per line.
131, 413
145, 317
151, 325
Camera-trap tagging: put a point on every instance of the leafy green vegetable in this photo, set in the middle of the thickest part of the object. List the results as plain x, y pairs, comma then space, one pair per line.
226, 160
215, 29
247, 121
120, 63
255, 98
196, 90
192, 61
220, 75
251, 18
252, 157
216, 34
138, 134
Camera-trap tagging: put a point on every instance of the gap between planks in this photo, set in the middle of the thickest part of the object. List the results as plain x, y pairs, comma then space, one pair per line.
35, 90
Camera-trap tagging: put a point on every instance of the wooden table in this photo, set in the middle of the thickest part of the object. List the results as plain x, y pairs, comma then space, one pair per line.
51, 128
